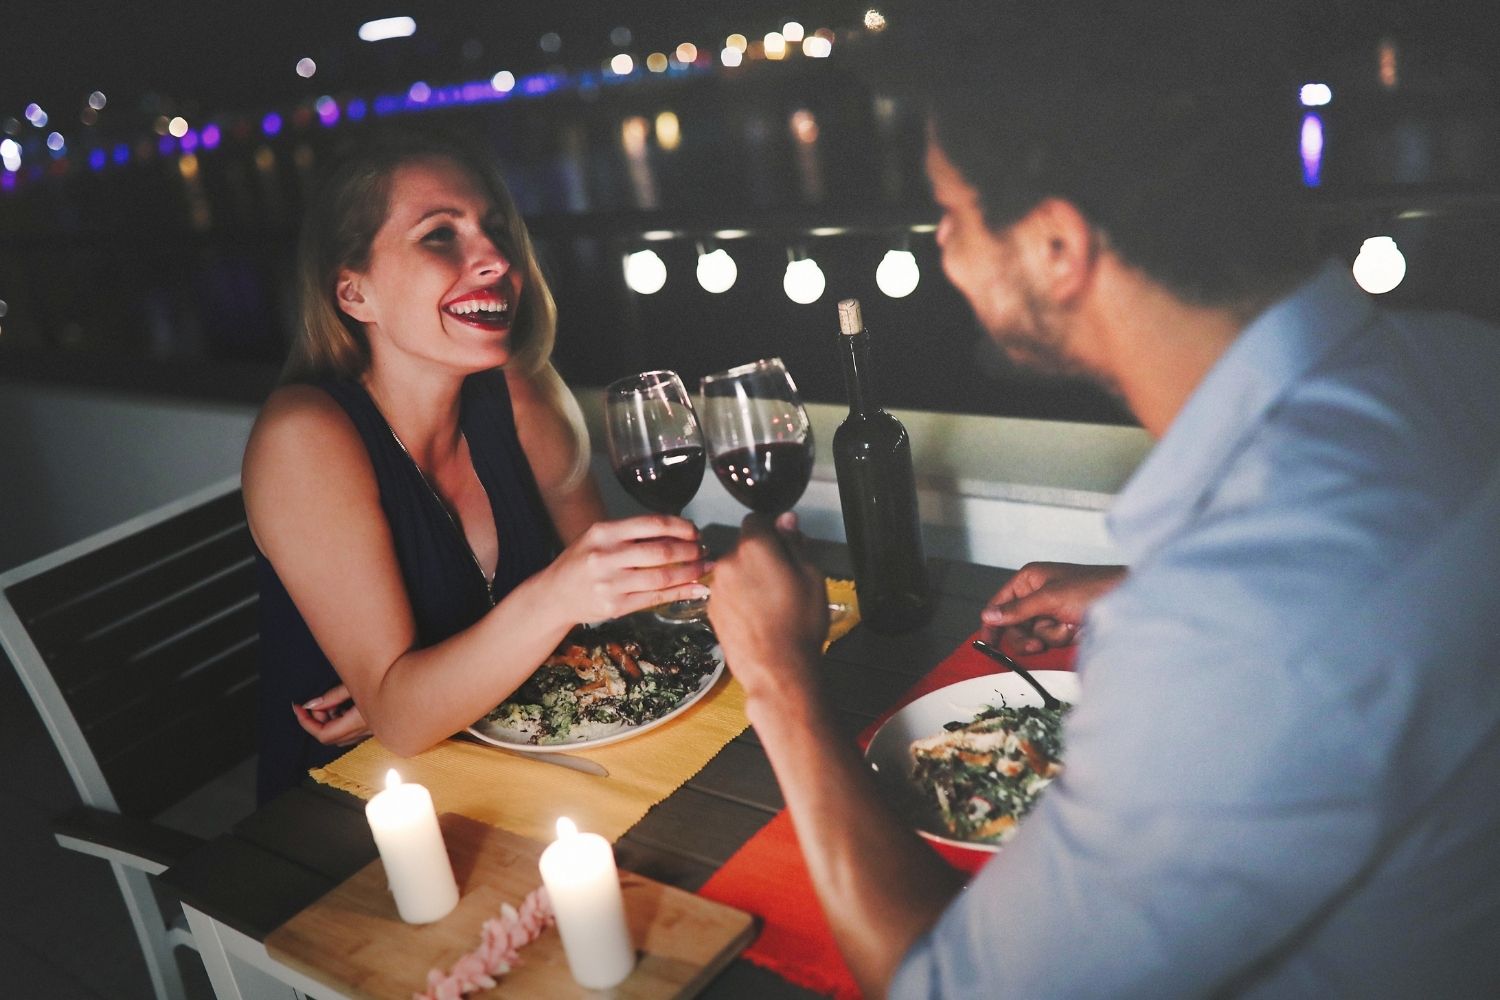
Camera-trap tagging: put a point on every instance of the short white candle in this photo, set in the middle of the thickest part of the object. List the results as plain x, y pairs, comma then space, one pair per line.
417, 868
579, 872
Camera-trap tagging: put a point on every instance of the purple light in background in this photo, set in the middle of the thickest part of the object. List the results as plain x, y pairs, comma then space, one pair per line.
190, 140
97, 159
1312, 149
271, 123
328, 111
211, 137
419, 93
122, 154
166, 145
356, 110
7, 181
387, 104
538, 84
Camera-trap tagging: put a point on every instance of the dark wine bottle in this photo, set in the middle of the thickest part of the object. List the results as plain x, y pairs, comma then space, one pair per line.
878, 491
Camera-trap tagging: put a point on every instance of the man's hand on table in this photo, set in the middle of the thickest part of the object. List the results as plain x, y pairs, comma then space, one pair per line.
1043, 605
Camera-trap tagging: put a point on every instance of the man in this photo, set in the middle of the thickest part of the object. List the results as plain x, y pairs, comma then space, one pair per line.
1281, 778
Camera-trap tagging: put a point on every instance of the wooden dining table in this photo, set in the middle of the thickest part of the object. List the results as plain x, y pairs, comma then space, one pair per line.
242, 886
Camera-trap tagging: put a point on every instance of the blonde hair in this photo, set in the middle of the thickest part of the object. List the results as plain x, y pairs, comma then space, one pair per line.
338, 230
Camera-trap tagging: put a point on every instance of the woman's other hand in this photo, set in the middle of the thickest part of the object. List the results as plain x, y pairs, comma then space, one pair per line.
1043, 605
617, 567
332, 718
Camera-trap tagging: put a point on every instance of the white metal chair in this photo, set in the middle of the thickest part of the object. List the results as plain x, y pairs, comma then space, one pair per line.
138, 648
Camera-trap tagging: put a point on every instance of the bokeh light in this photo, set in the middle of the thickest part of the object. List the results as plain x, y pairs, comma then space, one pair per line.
645, 272
1380, 265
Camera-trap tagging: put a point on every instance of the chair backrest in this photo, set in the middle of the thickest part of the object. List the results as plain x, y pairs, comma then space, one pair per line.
138, 646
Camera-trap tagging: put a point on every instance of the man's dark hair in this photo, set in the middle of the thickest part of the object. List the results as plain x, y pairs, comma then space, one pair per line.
1172, 126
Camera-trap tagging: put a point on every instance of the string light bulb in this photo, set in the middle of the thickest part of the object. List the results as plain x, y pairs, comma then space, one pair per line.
1380, 265
898, 274
645, 272
716, 270
803, 281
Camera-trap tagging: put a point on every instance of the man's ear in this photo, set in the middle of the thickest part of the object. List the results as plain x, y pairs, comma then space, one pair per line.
351, 299
1065, 248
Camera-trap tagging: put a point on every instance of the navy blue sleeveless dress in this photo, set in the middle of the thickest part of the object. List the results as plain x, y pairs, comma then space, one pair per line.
446, 587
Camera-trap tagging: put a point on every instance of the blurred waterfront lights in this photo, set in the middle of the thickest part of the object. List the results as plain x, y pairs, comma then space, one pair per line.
10, 154
190, 141
775, 45
550, 43
657, 62
306, 68
687, 53
36, 115
10, 126
874, 20
88, 116
898, 274
645, 272
271, 124
1380, 265
177, 127
817, 47
716, 271
792, 32
633, 131
328, 110
803, 281
1315, 95
1312, 149
419, 92
98, 159
387, 27
1387, 56
97, 100
668, 131
55, 142
122, 154
736, 41
622, 65
211, 136
503, 82
731, 57
620, 36
804, 126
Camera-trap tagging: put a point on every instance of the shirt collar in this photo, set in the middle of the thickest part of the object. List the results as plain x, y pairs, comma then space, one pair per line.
1269, 355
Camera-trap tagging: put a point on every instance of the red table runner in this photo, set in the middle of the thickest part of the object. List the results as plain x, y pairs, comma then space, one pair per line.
768, 878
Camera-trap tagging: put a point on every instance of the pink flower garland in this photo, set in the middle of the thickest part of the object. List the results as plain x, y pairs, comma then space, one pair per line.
500, 942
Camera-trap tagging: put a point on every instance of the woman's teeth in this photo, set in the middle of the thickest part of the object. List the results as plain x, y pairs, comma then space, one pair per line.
478, 306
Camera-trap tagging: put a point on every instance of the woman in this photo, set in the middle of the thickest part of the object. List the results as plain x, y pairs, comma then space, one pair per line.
418, 487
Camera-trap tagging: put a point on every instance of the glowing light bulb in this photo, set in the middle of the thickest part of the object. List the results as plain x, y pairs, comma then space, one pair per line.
10, 154
306, 68
503, 82
731, 57
387, 27
1380, 265
804, 281
177, 127
717, 271
816, 47
645, 272
737, 41
898, 274
622, 64
687, 53
1315, 95
793, 32
775, 43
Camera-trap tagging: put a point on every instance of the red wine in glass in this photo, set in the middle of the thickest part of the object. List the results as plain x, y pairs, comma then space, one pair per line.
769, 478
656, 449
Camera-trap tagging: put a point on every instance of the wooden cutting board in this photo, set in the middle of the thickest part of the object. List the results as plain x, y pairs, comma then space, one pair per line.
352, 940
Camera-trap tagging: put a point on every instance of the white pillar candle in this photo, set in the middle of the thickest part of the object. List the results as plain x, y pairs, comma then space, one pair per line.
584, 887
417, 868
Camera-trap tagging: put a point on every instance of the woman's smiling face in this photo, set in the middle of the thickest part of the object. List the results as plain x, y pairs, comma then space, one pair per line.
438, 286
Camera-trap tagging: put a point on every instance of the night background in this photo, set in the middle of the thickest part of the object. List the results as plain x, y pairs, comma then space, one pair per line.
152, 248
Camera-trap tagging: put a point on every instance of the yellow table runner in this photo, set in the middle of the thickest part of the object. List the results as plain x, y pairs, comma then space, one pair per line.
526, 796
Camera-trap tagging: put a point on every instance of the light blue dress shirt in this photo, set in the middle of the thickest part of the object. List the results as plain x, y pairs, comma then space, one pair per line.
1283, 776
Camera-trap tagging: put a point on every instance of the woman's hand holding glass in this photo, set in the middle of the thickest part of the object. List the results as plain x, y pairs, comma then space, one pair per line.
619, 567
656, 450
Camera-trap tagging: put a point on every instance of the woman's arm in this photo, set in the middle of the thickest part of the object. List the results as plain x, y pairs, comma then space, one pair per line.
556, 442
314, 510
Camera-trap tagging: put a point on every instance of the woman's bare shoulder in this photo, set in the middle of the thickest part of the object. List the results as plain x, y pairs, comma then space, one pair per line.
301, 433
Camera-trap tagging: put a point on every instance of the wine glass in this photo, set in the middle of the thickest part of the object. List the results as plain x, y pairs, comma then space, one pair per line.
760, 440
656, 450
